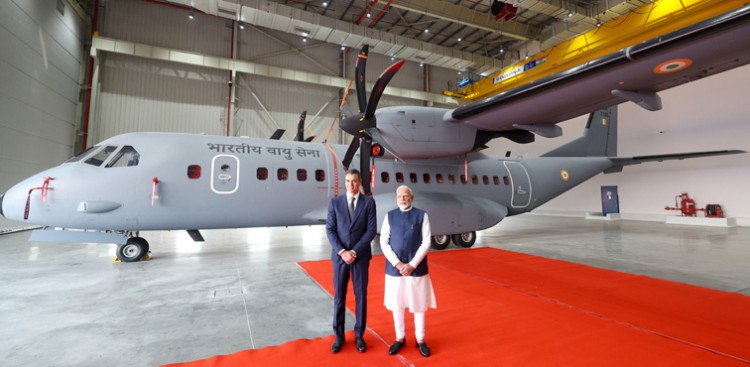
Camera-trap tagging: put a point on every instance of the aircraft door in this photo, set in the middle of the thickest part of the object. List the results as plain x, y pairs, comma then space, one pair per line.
225, 174
521, 183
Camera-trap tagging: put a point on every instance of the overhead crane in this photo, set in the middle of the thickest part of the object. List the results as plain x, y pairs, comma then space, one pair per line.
647, 22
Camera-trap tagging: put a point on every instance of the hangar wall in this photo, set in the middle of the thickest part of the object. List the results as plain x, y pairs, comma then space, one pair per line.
138, 94
39, 87
707, 114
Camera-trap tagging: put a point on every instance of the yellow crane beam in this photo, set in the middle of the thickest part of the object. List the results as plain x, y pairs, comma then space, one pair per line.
647, 22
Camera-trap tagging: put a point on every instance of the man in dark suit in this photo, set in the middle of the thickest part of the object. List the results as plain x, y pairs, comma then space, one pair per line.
351, 226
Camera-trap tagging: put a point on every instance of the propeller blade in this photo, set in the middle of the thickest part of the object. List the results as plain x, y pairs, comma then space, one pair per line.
365, 152
310, 138
350, 153
359, 73
375, 134
379, 87
301, 127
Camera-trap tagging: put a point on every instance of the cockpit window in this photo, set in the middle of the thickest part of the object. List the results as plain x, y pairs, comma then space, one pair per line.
125, 157
80, 155
101, 156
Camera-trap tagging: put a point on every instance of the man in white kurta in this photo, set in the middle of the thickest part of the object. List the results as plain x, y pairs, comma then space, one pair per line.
405, 241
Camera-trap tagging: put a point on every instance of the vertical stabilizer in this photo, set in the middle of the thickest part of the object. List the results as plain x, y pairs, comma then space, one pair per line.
599, 138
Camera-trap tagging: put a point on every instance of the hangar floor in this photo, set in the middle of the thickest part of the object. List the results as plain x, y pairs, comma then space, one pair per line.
69, 305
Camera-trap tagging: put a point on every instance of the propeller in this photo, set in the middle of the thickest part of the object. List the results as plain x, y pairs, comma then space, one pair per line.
363, 126
301, 129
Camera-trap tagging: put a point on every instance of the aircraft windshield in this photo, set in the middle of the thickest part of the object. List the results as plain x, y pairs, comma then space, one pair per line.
80, 155
101, 156
126, 157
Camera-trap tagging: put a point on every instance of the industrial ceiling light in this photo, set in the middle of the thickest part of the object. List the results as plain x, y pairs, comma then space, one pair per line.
598, 23
570, 13
459, 39
241, 25
325, 3
426, 30
191, 15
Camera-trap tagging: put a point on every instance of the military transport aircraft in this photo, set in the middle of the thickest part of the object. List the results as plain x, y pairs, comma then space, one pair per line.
168, 181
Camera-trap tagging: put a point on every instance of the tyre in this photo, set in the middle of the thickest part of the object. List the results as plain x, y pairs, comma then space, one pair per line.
133, 250
440, 242
465, 239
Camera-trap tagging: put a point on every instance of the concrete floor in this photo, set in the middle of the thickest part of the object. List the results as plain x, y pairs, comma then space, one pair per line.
70, 305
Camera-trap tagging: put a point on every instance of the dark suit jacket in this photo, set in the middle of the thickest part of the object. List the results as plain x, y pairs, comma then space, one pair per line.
346, 234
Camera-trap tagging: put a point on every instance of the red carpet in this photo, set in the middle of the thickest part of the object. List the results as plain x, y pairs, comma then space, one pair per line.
503, 308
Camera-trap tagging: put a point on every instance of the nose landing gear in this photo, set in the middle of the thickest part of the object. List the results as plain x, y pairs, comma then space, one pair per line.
135, 249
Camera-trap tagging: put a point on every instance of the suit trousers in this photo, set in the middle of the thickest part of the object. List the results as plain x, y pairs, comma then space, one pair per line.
358, 272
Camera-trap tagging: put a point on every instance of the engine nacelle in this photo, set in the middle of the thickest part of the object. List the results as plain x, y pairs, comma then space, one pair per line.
420, 132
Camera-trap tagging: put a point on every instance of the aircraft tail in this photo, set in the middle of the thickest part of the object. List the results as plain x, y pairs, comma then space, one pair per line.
599, 138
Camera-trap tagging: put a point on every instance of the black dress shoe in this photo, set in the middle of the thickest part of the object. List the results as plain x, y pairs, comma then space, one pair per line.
396, 346
337, 344
424, 350
361, 345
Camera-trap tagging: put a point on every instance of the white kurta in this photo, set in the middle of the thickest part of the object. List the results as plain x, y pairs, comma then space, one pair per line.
414, 293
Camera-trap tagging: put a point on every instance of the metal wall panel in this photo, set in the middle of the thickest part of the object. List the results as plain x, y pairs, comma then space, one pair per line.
149, 95
39, 77
165, 26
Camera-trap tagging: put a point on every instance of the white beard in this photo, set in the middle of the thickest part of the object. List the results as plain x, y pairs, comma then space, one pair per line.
404, 207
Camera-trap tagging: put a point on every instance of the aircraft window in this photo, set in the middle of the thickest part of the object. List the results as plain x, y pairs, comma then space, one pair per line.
301, 174
384, 177
506, 180
320, 175
132, 157
496, 180
101, 156
474, 179
439, 178
399, 177
194, 171
262, 173
413, 177
452, 179
485, 180
426, 178
463, 179
80, 155
282, 174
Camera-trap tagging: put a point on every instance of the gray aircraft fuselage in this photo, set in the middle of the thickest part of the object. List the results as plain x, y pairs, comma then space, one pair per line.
229, 193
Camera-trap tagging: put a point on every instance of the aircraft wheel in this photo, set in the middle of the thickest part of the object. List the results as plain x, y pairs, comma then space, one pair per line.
465, 239
440, 242
133, 250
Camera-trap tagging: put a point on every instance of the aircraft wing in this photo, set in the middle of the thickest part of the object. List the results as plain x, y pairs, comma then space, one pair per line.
620, 162
451, 213
712, 46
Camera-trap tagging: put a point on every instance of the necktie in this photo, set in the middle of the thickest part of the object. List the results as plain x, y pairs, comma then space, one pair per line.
351, 208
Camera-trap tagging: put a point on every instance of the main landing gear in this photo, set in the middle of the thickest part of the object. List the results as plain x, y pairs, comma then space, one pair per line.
135, 249
465, 240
